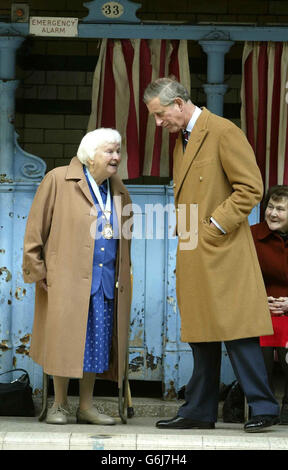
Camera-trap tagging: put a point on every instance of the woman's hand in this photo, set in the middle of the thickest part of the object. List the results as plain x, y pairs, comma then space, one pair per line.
278, 306
43, 284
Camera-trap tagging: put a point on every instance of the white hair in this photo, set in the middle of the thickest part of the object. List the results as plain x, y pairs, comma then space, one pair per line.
95, 139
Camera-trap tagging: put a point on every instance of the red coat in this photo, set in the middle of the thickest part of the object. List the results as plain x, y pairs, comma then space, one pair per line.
272, 253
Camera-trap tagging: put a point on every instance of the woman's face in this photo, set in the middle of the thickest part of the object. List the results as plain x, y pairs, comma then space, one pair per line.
276, 215
105, 163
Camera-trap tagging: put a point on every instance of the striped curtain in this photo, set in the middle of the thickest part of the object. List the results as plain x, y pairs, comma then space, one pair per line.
124, 69
264, 111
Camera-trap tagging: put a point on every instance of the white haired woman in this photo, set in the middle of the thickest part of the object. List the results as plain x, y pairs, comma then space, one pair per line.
76, 252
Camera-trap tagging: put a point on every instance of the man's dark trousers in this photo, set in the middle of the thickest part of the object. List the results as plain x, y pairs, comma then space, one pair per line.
202, 391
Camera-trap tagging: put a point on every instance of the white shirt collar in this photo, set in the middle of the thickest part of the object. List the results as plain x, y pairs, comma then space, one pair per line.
193, 119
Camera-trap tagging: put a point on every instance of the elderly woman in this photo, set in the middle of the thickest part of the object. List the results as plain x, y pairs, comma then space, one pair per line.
76, 252
271, 241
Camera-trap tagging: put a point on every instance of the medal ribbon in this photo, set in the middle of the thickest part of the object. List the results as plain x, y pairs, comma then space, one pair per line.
107, 210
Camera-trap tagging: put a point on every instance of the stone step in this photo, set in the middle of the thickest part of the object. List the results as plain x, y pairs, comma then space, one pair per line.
142, 407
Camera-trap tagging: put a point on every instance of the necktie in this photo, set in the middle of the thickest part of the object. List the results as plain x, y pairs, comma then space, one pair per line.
186, 135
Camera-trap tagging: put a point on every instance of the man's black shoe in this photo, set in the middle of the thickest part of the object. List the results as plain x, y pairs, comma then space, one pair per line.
183, 423
259, 422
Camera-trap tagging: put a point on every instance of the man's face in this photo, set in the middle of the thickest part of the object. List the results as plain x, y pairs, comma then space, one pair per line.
169, 117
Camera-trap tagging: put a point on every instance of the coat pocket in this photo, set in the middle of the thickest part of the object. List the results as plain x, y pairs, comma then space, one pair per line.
212, 234
199, 163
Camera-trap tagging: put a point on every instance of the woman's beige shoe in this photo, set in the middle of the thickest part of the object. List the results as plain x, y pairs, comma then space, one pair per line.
93, 416
57, 414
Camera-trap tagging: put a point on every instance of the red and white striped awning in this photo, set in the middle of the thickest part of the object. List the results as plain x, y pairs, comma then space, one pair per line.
264, 112
123, 71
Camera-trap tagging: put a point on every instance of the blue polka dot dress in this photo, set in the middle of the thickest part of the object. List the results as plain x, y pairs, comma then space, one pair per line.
99, 333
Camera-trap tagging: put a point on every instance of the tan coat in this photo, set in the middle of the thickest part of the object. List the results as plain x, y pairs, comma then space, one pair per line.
58, 246
220, 290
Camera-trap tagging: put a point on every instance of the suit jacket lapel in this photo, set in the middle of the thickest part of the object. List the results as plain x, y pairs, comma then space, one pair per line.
183, 161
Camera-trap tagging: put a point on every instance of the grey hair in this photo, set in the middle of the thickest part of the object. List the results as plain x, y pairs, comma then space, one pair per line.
95, 139
167, 90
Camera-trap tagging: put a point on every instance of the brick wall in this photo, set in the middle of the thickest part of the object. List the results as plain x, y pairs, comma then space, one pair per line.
231, 11
54, 97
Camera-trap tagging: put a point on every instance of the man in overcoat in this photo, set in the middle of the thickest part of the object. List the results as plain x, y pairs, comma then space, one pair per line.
220, 290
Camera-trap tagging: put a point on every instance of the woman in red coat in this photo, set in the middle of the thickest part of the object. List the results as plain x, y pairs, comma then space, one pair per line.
271, 241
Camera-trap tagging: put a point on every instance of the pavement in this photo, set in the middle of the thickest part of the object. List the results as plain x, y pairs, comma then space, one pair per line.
138, 434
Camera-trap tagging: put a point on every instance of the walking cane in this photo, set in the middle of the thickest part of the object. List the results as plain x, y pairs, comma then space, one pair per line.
124, 399
43, 412
130, 409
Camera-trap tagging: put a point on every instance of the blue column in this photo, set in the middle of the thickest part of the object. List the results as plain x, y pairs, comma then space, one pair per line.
20, 174
8, 48
215, 89
215, 97
7, 104
7, 90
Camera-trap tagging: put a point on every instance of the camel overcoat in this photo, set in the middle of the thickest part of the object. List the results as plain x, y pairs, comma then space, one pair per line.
58, 246
220, 290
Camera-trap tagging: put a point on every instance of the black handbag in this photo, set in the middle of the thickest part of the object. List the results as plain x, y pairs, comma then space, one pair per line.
16, 396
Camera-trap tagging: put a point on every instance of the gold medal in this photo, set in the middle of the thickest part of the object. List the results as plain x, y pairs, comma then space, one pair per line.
107, 231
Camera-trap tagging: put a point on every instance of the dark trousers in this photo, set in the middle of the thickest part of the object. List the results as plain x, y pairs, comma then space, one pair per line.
202, 391
268, 354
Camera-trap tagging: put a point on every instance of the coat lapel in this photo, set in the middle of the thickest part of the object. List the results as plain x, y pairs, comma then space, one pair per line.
75, 172
183, 161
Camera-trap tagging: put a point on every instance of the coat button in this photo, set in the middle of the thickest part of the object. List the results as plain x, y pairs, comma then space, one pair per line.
201, 178
174, 185
27, 271
121, 289
101, 265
